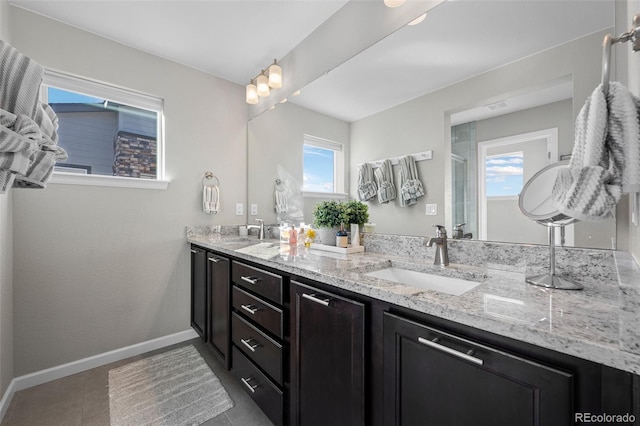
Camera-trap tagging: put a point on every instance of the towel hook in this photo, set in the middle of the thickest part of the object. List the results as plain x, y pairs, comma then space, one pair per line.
211, 179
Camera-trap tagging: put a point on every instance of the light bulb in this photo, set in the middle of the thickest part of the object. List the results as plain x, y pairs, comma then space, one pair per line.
275, 76
394, 3
251, 94
263, 86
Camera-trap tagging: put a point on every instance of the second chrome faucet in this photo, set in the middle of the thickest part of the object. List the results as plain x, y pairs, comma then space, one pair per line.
440, 240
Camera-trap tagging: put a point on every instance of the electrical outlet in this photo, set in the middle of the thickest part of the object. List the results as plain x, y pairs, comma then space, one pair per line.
239, 209
254, 210
431, 209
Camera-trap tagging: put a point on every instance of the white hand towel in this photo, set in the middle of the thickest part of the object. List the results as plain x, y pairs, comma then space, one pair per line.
281, 200
366, 186
410, 186
384, 180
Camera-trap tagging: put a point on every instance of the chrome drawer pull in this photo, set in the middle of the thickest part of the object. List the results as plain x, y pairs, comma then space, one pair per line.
250, 308
213, 259
313, 298
248, 344
194, 251
433, 344
251, 387
249, 279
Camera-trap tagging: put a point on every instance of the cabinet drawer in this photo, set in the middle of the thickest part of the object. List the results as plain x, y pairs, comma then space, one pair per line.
258, 281
267, 395
259, 347
259, 311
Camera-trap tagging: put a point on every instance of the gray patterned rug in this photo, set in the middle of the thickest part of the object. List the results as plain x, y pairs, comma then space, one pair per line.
173, 388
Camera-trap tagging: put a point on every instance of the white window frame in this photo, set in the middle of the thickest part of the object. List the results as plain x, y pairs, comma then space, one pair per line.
548, 136
338, 167
116, 94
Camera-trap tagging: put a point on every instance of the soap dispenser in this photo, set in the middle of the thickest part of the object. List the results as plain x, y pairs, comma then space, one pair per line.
342, 239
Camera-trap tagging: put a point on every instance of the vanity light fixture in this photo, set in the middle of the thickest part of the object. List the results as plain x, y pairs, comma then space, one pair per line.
262, 83
418, 19
260, 86
251, 93
394, 3
275, 76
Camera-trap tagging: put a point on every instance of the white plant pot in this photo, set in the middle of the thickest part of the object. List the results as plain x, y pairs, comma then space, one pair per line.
327, 236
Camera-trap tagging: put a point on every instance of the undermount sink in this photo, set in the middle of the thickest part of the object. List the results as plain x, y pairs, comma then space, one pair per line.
449, 285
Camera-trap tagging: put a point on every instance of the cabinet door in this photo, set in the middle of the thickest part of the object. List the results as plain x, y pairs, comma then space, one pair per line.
434, 378
219, 282
327, 358
199, 291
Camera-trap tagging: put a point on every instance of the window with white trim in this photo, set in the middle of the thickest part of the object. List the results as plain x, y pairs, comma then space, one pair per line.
323, 166
114, 136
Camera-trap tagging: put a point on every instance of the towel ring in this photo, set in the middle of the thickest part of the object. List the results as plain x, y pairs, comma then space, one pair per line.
211, 179
632, 35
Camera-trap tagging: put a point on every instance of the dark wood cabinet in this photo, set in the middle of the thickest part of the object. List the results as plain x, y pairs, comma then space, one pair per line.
432, 377
219, 306
258, 337
327, 358
199, 291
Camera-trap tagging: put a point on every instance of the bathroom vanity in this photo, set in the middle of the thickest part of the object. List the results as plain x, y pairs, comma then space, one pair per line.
315, 339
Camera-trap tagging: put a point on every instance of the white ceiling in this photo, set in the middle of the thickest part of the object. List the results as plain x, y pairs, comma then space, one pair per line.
231, 39
235, 39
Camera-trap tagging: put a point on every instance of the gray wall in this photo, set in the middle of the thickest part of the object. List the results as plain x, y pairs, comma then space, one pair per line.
423, 124
98, 268
6, 252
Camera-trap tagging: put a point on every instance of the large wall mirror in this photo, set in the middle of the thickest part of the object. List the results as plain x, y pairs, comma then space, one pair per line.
491, 88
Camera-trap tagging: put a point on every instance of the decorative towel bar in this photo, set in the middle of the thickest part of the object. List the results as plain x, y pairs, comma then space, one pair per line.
418, 156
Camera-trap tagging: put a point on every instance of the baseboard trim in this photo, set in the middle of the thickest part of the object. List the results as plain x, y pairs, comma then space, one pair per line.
6, 399
64, 370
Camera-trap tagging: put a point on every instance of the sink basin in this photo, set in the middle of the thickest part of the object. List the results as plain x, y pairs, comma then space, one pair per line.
449, 285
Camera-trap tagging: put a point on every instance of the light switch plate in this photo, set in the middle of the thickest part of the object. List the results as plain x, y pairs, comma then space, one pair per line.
239, 209
254, 210
431, 210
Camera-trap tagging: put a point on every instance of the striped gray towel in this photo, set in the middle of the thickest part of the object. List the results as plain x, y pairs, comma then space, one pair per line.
366, 186
28, 128
410, 186
605, 161
384, 180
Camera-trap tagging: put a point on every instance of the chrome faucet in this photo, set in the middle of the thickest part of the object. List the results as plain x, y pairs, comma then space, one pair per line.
260, 228
440, 240
458, 232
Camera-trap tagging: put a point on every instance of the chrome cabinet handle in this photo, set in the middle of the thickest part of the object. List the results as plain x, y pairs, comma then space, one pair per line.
434, 344
313, 298
214, 259
252, 346
249, 279
194, 251
250, 308
251, 387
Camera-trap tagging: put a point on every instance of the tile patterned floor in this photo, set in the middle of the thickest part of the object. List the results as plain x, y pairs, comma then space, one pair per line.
83, 399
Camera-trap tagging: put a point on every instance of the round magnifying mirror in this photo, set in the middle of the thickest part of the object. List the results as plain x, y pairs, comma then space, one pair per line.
535, 198
535, 203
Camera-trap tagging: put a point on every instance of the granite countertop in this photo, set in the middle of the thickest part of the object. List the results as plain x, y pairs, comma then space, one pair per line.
600, 323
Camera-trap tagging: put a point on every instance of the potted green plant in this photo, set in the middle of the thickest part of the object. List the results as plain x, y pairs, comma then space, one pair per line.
356, 214
327, 217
